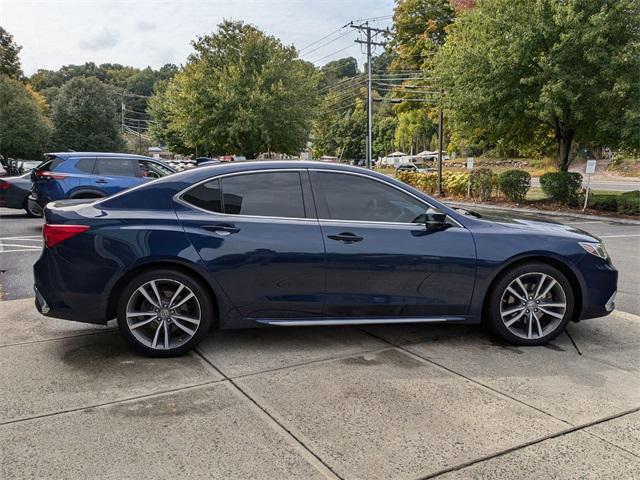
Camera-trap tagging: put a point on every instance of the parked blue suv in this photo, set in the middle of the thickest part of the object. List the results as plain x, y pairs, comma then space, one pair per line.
91, 175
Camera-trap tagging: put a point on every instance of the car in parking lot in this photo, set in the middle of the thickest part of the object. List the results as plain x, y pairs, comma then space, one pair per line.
293, 243
412, 167
14, 193
75, 175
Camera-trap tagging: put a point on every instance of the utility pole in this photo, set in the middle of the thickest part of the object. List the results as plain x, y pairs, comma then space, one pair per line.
367, 30
440, 152
122, 111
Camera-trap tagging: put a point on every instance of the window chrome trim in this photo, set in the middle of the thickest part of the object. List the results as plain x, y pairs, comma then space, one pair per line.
178, 196
371, 177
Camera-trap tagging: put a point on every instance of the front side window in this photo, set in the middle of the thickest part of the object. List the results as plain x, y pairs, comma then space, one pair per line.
273, 194
116, 167
351, 197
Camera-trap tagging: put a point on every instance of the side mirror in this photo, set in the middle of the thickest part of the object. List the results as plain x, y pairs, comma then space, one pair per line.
435, 219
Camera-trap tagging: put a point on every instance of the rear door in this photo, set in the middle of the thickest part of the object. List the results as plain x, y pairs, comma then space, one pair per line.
258, 235
381, 259
113, 174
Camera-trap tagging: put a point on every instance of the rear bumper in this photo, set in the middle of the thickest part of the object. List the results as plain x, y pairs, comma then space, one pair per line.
60, 295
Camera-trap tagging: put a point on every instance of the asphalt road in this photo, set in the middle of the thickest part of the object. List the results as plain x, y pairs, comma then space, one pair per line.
604, 185
20, 244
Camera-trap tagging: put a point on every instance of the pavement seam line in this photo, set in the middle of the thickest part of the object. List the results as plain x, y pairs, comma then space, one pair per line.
573, 342
269, 415
112, 402
551, 436
611, 443
43, 340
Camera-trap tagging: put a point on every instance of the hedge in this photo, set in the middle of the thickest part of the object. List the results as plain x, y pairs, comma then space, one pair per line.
629, 203
483, 181
514, 184
562, 187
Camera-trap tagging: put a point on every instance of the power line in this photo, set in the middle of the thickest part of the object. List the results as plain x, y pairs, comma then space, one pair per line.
332, 53
348, 32
320, 39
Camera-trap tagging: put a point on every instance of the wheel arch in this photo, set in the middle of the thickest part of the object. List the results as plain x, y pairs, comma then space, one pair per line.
121, 283
563, 267
92, 192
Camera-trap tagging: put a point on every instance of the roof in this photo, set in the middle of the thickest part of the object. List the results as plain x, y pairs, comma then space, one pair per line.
97, 154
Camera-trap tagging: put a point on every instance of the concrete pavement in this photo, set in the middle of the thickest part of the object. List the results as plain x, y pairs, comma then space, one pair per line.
611, 185
402, 401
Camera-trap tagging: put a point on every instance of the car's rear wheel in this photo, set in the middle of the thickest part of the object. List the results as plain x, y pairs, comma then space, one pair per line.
530, 304
164, 313
32, 211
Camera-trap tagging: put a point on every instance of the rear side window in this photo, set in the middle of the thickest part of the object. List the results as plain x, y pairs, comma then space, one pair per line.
207, 196
116, 167
273, 194
49, 165
86, 165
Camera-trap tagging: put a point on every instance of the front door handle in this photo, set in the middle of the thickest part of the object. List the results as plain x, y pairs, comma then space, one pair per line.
346, 237
223, 229
101, 181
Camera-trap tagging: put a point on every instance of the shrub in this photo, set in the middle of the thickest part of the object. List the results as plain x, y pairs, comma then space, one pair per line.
514, 184
455, 183
482, 183
604, 202
562, 187
629, 203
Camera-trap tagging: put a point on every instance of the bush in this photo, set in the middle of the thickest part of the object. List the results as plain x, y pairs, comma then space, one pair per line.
482, 182
629, 203
606, 202
562, 187
455, 183
514, 184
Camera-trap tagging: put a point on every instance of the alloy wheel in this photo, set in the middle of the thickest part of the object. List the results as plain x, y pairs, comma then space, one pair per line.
163, 314
533, 305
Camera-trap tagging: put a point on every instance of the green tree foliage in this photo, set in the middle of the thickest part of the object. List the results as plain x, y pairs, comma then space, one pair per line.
414, 131
85, 117
384, 132
161, 129
337, 70
242, 92
24, 130
9, 60
572, 68
420, 29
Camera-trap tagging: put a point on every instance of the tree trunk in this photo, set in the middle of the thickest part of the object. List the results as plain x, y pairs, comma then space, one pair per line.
564, 139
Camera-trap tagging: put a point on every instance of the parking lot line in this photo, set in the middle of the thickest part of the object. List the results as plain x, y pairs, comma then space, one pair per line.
32, 249
620, 236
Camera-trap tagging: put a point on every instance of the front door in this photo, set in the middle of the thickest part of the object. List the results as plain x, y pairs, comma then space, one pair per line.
380, 261
258, 235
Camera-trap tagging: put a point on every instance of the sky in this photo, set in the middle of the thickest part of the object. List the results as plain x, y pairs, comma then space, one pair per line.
144, 33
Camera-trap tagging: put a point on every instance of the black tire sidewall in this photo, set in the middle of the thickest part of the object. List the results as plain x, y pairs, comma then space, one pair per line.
201, 293
494, 320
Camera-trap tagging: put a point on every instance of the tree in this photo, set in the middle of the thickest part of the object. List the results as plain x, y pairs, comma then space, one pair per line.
572, 68
85, 116
384, 130
242, 92
337, 70
24, 130
161, 129
414, 131
9, 60
420, 29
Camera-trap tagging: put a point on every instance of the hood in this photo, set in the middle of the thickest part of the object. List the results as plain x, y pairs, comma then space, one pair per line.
532, 224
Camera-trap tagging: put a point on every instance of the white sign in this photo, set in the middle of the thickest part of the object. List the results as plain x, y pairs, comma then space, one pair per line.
591, 167
156, 156
470, 163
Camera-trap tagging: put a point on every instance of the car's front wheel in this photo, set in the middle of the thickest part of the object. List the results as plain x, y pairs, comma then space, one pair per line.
530, 304
164, 313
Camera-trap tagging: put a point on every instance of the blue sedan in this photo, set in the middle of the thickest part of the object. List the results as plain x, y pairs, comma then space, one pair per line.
303, 243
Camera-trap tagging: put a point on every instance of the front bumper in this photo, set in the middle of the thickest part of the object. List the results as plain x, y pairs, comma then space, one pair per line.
600, 285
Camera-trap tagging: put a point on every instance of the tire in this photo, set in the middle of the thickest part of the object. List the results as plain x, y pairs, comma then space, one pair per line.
538, 317
147, 328
30, 212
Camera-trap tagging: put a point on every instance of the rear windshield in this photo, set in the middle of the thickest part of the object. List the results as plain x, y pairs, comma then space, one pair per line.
49, 165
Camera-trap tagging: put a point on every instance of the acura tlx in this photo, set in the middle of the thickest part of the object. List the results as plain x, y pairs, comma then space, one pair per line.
294, 243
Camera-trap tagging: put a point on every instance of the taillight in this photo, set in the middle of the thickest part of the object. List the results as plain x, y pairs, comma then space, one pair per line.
4, 185
49, 175
54, 234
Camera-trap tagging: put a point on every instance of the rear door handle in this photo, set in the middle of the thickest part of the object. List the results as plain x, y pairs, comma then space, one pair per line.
346, 237
101, 181
221, 229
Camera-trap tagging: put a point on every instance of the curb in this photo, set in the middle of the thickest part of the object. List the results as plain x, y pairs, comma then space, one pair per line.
546, 212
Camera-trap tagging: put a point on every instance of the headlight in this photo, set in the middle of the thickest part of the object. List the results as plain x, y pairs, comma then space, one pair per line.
596, 249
